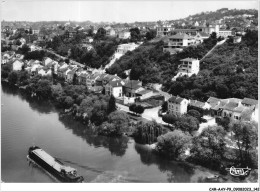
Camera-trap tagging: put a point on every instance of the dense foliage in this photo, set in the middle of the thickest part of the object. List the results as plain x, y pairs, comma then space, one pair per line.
147, 132
173, 144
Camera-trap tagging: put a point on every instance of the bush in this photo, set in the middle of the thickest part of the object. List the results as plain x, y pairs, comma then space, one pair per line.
173, 144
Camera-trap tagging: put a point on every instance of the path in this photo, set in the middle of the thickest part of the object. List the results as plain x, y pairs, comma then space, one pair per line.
218, 43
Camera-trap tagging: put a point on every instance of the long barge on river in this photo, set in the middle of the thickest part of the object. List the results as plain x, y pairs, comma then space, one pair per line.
53, 166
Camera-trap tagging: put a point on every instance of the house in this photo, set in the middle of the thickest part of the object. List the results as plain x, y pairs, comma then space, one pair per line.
46, 61
123, 48
70, 75
233, 108
124, 35
114, 88
224, 33
163, 30
45, 72
202, 107
17, 65
144, 94
176, 43
189, 66
132, 87
82, 78
177, 105
209, 29
191, 32
110, 32
200, 37
247, 102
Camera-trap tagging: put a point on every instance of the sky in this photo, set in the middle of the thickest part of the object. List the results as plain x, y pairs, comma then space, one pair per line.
109, 11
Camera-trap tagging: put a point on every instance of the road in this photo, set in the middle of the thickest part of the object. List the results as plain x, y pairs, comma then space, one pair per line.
149, 114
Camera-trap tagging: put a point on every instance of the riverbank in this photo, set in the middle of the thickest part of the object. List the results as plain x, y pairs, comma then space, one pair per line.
69, 112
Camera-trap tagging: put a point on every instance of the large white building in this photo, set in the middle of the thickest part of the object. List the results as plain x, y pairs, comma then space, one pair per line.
164, 30
176, 43
123, 48
189, 66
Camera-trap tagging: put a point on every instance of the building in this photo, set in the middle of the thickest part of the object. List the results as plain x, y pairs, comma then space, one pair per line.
176, 43
177, 105
114, 88
191, 32
123, 48
110, 32
200, 37
189, 67
209, 29
233, 108
202, 107
163, 30
224, 33
132, 87
124, 35
17, 65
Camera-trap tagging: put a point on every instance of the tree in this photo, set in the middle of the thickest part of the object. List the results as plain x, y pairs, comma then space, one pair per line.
209, 147
135, 34
68, 102
116, 124
74, 80
245, 138
111, 104
147, 132
101, 32
194, 113
13, 77
24, 49
173, 144
150, 34
224, 122
169, 118
139, 109
43, 89
165, 106
187, 123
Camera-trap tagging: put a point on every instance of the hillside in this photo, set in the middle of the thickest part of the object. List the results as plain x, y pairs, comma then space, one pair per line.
229, 71
225, 17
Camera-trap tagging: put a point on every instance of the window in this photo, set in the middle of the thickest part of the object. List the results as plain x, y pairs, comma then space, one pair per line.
230, 115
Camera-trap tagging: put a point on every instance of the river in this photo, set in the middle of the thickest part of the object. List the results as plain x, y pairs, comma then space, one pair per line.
26, 122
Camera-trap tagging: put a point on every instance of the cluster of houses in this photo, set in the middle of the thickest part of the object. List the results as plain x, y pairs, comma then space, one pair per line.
175, 40
124, 90
233, 108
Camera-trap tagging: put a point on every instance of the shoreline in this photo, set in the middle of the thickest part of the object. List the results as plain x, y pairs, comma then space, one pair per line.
63, 113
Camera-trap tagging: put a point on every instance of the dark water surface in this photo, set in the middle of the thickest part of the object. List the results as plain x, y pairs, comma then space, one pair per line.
26, 122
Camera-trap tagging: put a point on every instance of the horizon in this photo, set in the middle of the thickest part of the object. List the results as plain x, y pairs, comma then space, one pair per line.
119, 12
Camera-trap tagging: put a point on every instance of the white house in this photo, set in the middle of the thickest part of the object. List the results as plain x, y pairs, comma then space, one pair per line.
114, 88
176, 43
224, 33
177, 105
124, 35
189, 66
47, 61
17, 65
123, 48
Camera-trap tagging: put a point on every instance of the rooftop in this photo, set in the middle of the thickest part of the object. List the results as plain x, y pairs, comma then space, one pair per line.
249, 101
189, 59
179, 36
176, 99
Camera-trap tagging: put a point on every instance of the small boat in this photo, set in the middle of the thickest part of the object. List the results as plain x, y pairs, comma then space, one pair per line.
53, 166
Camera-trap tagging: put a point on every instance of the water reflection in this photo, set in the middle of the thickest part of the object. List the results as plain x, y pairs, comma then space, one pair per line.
41, 106
177, 172
116, 145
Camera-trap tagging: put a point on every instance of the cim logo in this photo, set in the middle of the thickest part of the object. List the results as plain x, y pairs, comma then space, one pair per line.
238, 171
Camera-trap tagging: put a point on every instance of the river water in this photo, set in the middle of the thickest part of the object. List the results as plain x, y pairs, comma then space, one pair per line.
26, 122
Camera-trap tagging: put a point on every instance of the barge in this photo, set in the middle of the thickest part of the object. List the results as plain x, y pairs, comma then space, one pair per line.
53, 166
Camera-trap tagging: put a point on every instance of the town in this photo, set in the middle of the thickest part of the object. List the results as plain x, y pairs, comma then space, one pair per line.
157, 82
